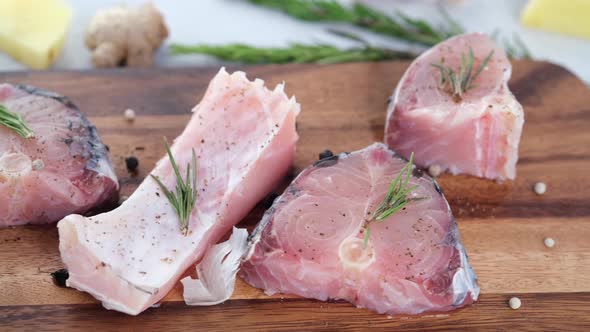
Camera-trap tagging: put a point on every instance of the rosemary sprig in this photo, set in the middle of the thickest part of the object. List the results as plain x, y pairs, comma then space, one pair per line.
185, 195
15, 122
401, 26
460, 82
395, 199
297, 53
517, 49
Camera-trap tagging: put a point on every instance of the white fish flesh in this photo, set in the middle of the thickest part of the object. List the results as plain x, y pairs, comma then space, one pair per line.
477, 134
311, 241
244, 138
64, 168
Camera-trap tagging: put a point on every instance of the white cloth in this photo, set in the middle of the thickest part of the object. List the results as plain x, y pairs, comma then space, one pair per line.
227, 21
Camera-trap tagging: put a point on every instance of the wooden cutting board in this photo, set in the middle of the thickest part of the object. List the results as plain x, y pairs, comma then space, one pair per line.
343, 109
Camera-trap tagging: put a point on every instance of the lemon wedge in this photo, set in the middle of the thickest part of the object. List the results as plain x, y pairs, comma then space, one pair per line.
570, 17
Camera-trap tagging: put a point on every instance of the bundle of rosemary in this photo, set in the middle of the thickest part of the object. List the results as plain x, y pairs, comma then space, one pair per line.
400, 27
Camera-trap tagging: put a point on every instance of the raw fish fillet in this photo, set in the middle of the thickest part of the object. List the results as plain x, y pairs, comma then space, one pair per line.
311, 241
478, 135
63, 169
244, 138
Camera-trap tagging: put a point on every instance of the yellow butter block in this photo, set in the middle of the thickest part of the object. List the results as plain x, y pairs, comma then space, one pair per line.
33, 31
565, 16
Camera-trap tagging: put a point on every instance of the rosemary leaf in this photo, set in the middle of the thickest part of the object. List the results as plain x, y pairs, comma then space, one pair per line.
367, 235
452, 26
323, 10
468, 70
184, 197
517, 49
483, 64
523, 51
15, 122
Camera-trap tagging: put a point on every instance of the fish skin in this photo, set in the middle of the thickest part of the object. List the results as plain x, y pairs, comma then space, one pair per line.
244, 138
216, 271
77, 175
478, 135
306, 243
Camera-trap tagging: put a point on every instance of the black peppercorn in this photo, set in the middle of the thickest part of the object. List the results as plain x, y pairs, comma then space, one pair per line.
60, 276
131, 163
326, 154
268, 200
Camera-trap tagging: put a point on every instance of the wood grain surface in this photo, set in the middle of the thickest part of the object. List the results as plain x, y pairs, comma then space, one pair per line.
343, 108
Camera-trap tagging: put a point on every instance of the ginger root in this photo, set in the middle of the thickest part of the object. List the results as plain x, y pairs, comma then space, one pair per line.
123, 35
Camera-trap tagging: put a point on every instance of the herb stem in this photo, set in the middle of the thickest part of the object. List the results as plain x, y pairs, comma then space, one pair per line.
297, 53
399, 26
15, 122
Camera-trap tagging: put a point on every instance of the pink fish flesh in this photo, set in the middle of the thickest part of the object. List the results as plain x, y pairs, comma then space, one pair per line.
244, 138
478, 134
311, 241
64, 168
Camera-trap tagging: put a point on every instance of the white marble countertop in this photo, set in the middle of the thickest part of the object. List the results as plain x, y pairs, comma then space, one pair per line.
226, 21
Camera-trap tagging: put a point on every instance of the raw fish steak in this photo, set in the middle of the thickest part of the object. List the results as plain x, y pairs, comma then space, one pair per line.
476, 134
311, 242
64, 168
244, 139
